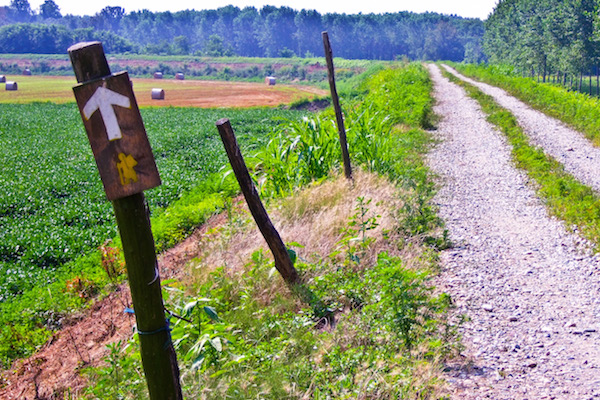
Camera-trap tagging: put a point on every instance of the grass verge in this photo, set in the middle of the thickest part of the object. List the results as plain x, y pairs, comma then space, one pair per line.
573, 108
373, 327
567, 199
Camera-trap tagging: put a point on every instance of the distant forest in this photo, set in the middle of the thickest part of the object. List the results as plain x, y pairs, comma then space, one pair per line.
545, 37
231, 31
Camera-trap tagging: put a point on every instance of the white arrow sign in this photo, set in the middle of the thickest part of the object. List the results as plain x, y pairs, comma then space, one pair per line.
103, 100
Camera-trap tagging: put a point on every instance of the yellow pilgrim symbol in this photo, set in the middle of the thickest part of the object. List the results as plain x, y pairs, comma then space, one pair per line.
126, 171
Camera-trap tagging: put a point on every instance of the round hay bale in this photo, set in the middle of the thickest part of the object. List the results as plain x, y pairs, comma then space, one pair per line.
179, 76
27, 72
158, 94
158, 75
270, 81
2, 78
11, 85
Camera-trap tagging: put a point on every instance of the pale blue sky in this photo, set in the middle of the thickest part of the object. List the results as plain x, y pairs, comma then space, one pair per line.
466, 8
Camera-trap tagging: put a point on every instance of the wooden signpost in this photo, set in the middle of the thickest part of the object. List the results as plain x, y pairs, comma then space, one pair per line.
336, 105
118, 139
116, 133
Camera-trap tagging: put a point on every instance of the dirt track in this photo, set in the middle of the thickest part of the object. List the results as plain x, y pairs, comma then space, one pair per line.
528, 287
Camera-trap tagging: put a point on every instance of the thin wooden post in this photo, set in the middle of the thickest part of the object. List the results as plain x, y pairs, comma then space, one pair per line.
336, 105
283, 262
597, 80
571, 83
545, 71
158, 355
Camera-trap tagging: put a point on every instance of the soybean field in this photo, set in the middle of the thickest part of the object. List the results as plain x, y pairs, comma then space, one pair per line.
52, 204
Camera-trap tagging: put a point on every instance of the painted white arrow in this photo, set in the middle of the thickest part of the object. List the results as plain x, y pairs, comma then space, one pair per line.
104, 99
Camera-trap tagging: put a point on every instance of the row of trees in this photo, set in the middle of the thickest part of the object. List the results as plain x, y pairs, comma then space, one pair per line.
270, 31
55, 39
558, 37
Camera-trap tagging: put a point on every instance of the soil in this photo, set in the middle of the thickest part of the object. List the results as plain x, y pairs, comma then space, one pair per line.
184, 93
54, 370
209, 94
525, 286
316, 215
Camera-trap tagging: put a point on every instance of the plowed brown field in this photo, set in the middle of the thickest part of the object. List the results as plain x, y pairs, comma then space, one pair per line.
186, 93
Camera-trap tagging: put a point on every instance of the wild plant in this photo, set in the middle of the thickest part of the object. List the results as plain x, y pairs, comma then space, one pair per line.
202, 337
112, 261
354, 239
368, 133
122, 377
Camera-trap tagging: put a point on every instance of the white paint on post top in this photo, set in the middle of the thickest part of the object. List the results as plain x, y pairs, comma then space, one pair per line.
103, 100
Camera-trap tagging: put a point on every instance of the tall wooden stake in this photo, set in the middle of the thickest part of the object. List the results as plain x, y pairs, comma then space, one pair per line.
283, 263
336, 105
598, 80
158, 355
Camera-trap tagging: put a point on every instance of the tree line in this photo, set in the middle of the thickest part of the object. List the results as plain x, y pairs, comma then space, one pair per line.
556, 38
251, 32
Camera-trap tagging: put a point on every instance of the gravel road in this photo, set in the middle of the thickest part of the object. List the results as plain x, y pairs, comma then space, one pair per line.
567, 146
529, 288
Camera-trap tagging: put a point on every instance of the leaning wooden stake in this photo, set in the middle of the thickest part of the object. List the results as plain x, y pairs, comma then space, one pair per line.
158, 355
336, 105
283, 263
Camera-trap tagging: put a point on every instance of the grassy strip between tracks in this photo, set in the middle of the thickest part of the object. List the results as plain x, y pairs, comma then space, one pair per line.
576, 109
568, 199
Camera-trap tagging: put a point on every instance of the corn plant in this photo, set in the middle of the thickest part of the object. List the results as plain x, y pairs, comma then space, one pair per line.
297, 153
368, 131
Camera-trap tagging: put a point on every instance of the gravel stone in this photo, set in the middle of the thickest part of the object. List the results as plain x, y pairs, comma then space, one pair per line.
510, 253
566, 145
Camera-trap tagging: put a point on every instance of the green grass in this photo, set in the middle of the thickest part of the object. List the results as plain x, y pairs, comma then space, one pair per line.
566, 198
390, 328
252, 339
575, 109
52, 204
342, 63
53, 210
253, 69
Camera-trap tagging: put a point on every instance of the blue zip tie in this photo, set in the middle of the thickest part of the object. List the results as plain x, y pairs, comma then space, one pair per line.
164, 328
167, 328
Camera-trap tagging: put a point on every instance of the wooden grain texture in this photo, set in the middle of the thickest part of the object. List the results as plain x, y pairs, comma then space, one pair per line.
283, 263
89, 61
158, 355
336, 105
134, 141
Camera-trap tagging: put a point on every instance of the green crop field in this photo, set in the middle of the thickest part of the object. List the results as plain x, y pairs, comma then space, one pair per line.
52, 204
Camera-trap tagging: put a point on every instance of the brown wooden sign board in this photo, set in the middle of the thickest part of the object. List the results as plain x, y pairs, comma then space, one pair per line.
117, 135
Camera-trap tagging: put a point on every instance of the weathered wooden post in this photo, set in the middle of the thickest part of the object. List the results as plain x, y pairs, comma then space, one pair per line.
336, 105
283, 263
124, 158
